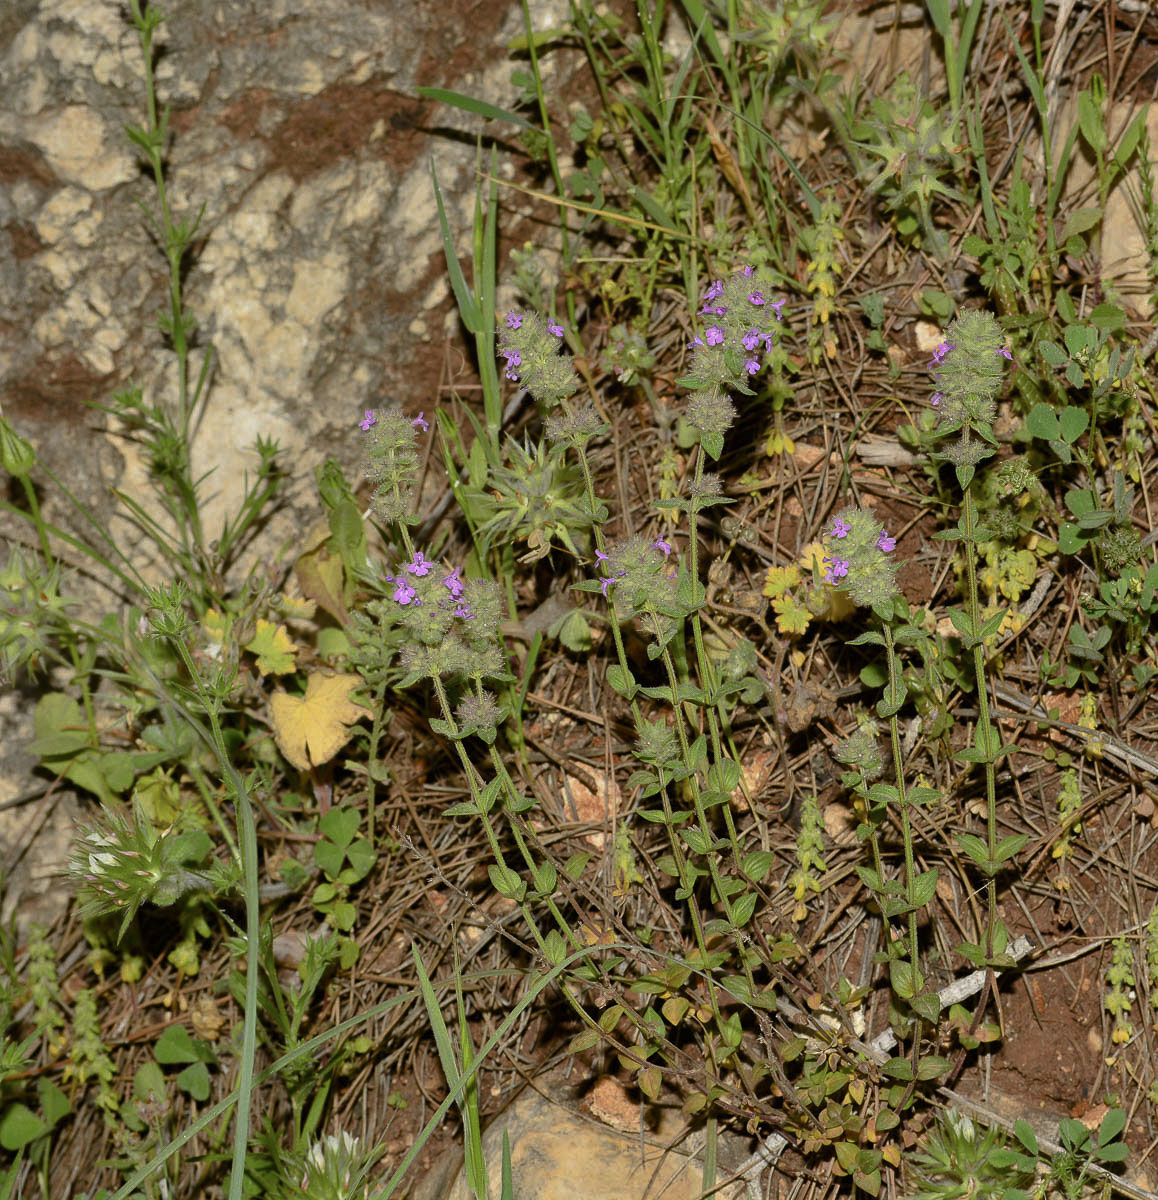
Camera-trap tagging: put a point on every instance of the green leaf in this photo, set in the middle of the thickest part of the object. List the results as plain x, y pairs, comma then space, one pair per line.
1079, 221
329, 858
1042, 422
479, 107
924, 887
927, 1005
506, 882
1074, 422
1112, 1124
340, 825
175, 1045
586, 1039
1052, 352
898, 1068
933, 1066
743, 908
20, 1126
621, 681
361, 857
194, 1081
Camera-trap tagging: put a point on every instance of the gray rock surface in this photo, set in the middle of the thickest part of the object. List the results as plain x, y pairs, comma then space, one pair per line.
319, 275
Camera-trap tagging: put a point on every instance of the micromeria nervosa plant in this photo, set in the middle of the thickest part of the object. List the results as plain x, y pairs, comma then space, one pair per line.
860, 561
968, 371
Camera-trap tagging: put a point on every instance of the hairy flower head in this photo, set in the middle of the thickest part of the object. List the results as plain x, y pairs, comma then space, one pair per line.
530, 345
858, 557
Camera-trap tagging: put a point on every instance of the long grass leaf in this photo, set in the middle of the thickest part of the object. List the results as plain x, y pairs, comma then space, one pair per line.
479, 107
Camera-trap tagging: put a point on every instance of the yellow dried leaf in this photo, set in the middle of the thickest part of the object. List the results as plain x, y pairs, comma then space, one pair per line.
311, 729
780, 579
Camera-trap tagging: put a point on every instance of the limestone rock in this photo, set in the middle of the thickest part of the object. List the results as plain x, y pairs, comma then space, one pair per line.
558, 1154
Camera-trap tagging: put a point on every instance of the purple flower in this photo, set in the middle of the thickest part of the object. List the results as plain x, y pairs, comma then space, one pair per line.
368, 420
837, 569
719, 310
756, 298
697, 341
555, 329
940, 352
419, 564
752, 365
1005, 353
463, 611
840, 529
514, 320
935, 399
453, 584
513, 357
715, 289
661, 544
604, 583
747, 271
886, 543
601, 557
751, 339
777, 306
511, 375
420, 422
404, 593
713, 335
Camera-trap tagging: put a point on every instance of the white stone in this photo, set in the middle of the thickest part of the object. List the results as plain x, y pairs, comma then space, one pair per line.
318, 288
80, 147
61, 213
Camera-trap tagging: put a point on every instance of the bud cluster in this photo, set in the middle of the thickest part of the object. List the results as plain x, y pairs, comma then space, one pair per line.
740, 328
858, 557
968, 371
392, 461
530, 346
452, 623
639, 572
123, 865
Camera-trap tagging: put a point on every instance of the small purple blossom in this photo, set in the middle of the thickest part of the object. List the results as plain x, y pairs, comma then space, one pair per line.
714, 289
661, 544
713, 335
935, 399
554, 328
368, 420
756, 298
748, 270
696, 343
886, 543
601, 557
752, 365
751, 339
513, 357
420, 422
419, 565
840, 529
453, 584
940, 353
463, 611
777, 307
1006, 353
404, 593
604, 583
719, 310
837, 569
514, 320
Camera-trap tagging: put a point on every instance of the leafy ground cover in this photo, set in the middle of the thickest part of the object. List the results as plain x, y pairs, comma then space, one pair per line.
778, 657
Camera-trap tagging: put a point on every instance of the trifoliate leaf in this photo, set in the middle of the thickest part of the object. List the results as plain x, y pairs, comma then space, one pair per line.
780, 579
311, 729
274, 648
